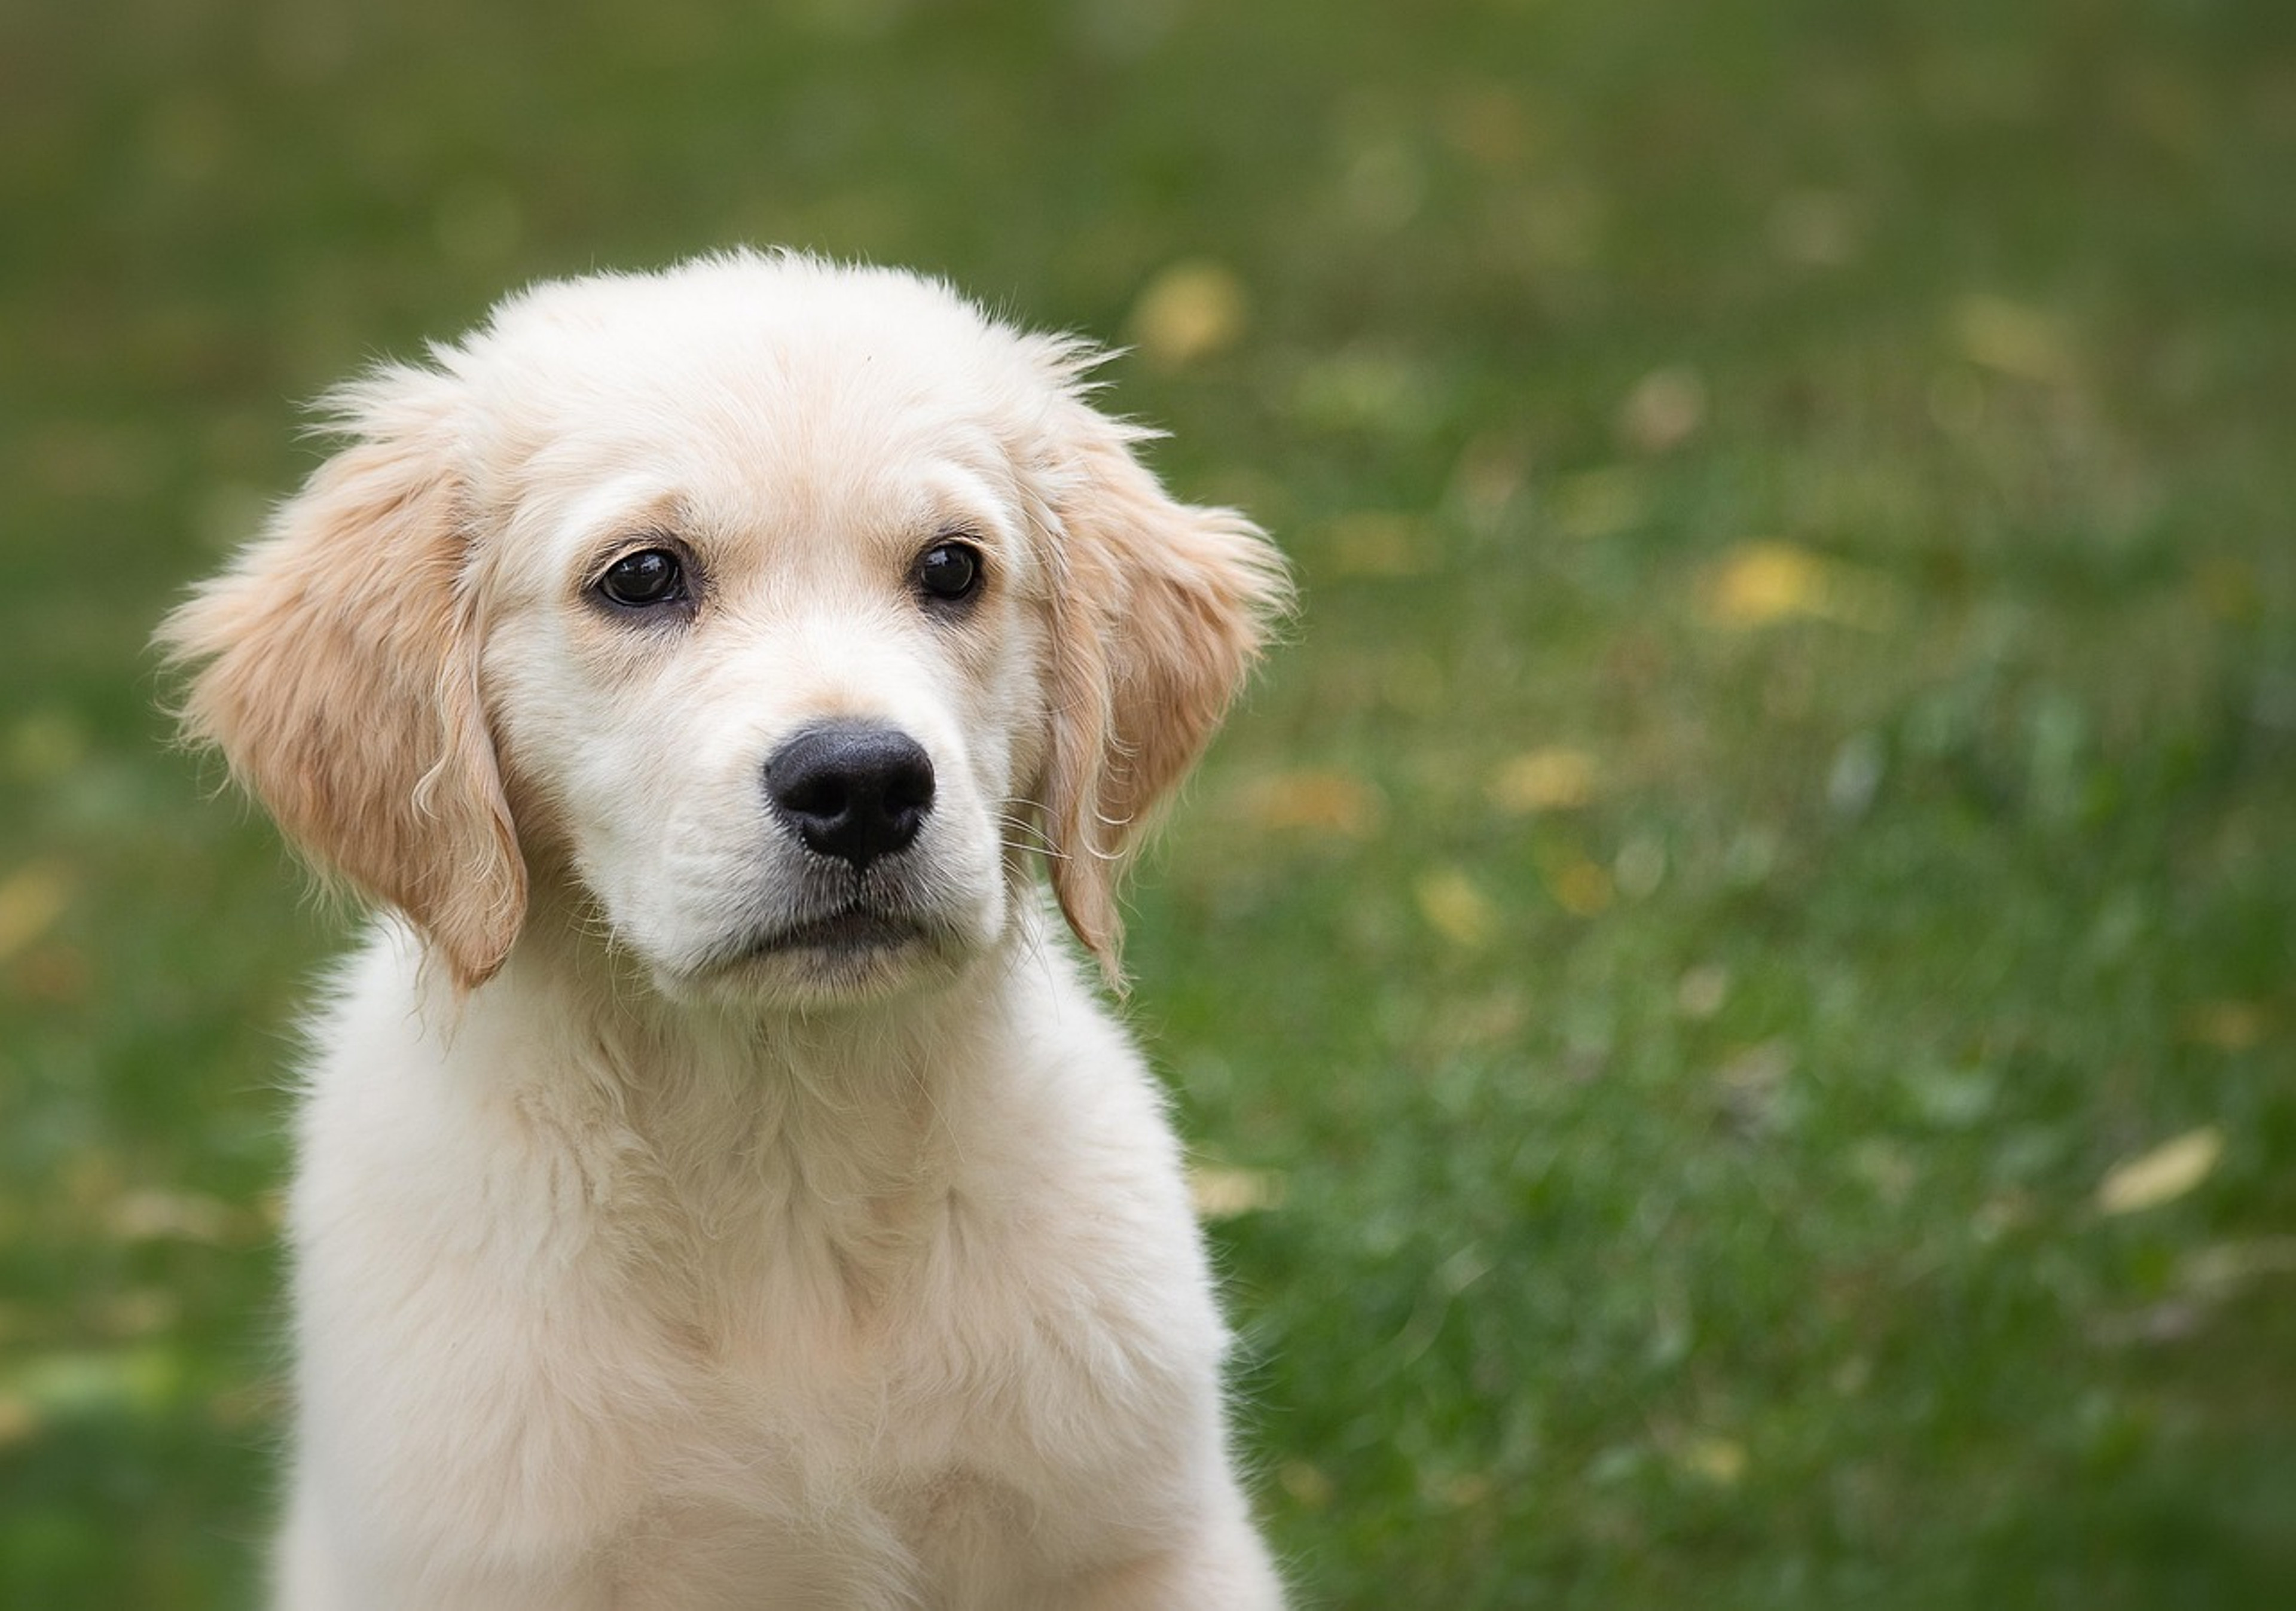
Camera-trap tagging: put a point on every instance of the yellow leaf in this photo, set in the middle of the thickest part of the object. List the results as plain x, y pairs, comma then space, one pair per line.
1314, 802
169, 1216
1374, 543
31, 899
2229, 1026
1719, 1460
1664, 410
2227, 589
1814, 228
1761, 582
1456, 909
1191, 311
1699, 993
1221, 1193
1306, 1484
1463, 1489
139, 1312
1580, 888
2162, 1175
45, 746
18, 1419
1490, 124
2011, 338
1551, 779
1764, 582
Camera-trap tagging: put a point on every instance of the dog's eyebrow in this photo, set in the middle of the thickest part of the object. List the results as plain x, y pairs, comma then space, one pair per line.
611, 527
964, 501
630, 503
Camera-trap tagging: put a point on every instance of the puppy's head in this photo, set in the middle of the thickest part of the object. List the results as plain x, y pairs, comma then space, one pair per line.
768, 614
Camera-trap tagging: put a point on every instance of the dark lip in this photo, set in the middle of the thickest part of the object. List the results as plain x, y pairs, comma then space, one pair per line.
854, 929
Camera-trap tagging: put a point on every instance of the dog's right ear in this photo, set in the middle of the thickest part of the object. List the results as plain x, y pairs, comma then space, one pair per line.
337, 669
1158, 612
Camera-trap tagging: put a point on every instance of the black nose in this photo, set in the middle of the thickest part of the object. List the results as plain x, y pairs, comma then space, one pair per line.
852, 790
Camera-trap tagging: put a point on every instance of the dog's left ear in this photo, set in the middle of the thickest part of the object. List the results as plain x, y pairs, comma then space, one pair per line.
337, 670
1159, 609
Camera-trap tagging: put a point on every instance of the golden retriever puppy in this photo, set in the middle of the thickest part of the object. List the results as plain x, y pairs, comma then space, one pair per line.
719, 1184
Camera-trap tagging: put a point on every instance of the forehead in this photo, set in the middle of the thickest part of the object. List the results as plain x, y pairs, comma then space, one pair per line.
754, 393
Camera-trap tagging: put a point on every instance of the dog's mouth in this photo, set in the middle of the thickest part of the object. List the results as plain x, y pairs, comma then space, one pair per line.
852, 930
844, 953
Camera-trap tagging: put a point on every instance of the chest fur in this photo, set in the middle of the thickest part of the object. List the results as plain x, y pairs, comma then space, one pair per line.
900, 1384
909, 1336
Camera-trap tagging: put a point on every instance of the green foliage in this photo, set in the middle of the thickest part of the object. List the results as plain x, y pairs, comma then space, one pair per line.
1682, 976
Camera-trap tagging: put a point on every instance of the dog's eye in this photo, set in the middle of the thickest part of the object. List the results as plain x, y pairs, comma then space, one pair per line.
949, 571
650, 576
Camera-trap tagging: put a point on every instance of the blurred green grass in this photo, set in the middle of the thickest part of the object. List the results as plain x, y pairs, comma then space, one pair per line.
1784, 785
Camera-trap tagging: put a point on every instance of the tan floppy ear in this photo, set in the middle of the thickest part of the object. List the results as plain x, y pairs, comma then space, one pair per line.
1158, 611
337, 670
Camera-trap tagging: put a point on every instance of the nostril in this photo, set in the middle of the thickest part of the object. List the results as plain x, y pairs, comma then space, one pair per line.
910, 787
855, 791
816, 795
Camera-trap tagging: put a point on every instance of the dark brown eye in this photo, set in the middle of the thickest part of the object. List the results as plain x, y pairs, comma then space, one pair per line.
650, 576
949, 571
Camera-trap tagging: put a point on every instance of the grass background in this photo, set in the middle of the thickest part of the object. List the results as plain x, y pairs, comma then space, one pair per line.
1784, 790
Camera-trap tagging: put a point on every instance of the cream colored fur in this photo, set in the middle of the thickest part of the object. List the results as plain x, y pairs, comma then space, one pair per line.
637, 1266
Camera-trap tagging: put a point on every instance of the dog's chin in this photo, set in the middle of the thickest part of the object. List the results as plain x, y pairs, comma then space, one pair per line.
845, 958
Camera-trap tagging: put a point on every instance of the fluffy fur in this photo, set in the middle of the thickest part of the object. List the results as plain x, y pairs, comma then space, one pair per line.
645, 1257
